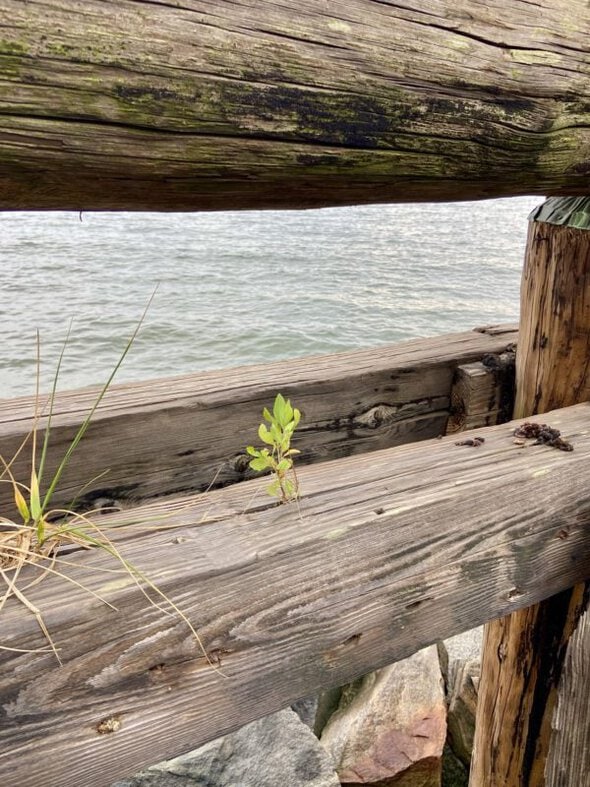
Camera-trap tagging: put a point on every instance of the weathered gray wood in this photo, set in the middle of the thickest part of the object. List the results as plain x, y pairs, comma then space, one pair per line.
177, 435
568, 761
122, 104
389, 552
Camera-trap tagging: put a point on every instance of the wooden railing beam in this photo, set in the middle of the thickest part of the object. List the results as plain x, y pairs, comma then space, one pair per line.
180, 435
386, 553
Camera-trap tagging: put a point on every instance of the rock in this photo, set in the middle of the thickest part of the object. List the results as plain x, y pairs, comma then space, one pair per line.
462, 656
461, 648
462, 708
276, 751
328, 703
390, 727
454, 772
306, 709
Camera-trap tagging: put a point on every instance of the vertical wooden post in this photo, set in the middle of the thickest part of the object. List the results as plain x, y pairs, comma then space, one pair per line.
524, 654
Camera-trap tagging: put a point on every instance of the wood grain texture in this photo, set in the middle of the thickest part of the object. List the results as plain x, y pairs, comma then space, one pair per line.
482, 393
523, 656
389, 552
171, 436
568, 761
523, 659
124, 104
554, 363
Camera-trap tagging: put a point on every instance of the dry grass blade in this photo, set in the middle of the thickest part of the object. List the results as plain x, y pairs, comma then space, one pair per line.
12, 590
18, 548
35, 543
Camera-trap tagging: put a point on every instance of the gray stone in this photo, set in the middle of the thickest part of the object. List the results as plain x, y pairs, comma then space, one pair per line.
328, 703
460, 658
461, 648
306, 709
390, 727
276, 751
454, 772
462, 708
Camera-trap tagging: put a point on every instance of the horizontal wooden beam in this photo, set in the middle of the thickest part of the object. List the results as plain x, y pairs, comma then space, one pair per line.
131, 105
171, 436
386, 553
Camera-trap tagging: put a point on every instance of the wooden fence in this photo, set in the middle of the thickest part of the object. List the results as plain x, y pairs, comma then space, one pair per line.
164, 106
143, 105
386, 553
172, 436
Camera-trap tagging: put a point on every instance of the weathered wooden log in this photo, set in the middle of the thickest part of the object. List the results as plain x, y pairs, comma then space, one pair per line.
132, 105
523, 655
185, 434
568, 759
387, 553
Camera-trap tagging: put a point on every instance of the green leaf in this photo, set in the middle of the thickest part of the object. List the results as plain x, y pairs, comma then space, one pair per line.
276, 434
279, 408
274, 489
289, 488
265, 435
296, 418
252, 451
267, 415
35, 496
288, 412
284, 465
259, 464
21, 504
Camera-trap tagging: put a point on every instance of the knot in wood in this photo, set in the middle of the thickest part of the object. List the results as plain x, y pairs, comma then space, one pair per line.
380, 414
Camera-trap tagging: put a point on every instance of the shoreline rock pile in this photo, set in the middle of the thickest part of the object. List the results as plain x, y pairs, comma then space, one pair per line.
409, 724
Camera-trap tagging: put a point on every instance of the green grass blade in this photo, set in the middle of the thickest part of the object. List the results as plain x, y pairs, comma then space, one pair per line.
84, 427
36, 411
51, 401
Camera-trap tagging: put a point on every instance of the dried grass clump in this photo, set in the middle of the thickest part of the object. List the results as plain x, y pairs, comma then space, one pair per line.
39, 536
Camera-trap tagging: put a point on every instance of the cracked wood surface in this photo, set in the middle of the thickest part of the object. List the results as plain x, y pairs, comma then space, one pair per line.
180, 435
387, 553
130, 104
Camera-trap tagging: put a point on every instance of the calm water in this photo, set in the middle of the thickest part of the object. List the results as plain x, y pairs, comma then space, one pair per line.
238, 288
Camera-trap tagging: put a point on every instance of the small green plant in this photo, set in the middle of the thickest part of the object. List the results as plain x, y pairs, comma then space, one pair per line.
278, 459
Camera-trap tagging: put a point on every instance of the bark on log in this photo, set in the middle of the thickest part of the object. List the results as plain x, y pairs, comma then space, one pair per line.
523, 655
124, 104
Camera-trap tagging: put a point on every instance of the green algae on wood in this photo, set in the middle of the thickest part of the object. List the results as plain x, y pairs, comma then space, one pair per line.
281, 106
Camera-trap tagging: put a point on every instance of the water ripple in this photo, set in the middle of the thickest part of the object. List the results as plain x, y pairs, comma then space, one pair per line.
245, 287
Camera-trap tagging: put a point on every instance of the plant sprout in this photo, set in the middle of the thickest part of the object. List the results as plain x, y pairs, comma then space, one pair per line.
277, 459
